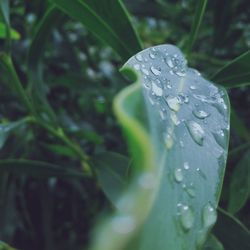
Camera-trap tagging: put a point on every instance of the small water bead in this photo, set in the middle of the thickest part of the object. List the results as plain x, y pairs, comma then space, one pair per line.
145, 71
219, 137
136, 66
192, 87
169, 62
178, 175
123, 224
180, 73
201, 114
174, 119
186, 217
196, 132
163, 114
155, 71
168, 139
139, 57
152, 55
190, 191
181, 144
186, 165
183, 98
173, 103
156, 89
147, 84
209, 215
201, 173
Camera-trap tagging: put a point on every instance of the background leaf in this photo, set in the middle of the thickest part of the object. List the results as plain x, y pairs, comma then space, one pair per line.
212, 243
14, 34
231, 232
108, 20
240, 185
235, 73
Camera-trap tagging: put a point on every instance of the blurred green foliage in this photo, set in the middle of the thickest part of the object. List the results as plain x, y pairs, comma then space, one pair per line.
80, 77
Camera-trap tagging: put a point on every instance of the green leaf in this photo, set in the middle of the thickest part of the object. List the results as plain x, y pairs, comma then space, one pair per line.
199, 13
3, 32
37, 169
5, 11
4, 246
231, 232
52, 18
213, 243
235, 73
176, 124
240, 185
7, 128
108, 20
112, 170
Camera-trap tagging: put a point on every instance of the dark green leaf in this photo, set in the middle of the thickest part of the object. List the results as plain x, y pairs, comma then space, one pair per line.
199, 13
236, 73
176, 123
231, 232
37, 169
4, 246
108, 20
240, 184
112, 170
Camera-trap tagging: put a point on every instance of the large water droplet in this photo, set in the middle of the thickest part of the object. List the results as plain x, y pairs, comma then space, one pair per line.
196, 132
173, 103
201, 114
209, 215
155, 71
219, 137
186, 217
169, 62
178, 175
156, 89
123, 224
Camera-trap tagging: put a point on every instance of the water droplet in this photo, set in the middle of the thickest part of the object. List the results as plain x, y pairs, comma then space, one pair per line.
220, 138
186, 217
173, 103
201, 173
192, 87
147, 84
183, 98
196, 132
156, 90
180, 73
123, 224
190, 190
137, 66
168, 140
182, 144
145, 71
147, 180
155, 71
139, 57
201, 114
178, 175
174, 119
169, 62
152, 55
186, 165
209, 215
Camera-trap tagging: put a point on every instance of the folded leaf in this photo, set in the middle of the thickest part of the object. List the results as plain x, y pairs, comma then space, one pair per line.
176, 123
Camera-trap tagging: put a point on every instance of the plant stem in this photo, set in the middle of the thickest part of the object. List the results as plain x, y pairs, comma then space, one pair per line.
6, 62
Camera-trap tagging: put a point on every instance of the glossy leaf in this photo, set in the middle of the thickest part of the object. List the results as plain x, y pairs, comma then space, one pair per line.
177, 126
198, 17
231, 232
4, 246
108, 20
3, 33
37, 169
240, 185
112, 170
236, 73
